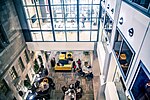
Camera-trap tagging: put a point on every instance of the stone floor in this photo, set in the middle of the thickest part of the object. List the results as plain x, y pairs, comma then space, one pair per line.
66, 78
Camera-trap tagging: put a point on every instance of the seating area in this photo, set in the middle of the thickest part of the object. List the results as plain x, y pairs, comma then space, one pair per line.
62, 85
64, 62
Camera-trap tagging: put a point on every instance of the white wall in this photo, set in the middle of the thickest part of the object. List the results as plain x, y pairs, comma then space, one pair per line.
136, 20
47, 46
101, 56
144, 56
111, 92
112, 4
111, 71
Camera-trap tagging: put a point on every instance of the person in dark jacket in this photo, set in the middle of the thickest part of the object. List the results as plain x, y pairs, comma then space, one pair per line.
53, 62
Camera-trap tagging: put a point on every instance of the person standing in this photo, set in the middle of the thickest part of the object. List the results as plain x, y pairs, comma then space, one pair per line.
53, 62
83, 20
79, 63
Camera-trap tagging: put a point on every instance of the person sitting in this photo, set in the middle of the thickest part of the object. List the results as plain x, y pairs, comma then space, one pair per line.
77, 84
79, 92
89, 76
64, 89
71, 86
79, 63
74, 66
80, 72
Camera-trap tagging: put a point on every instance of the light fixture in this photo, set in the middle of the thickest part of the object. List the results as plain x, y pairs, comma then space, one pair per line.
112, 10
121, 21
108, 6
131, 32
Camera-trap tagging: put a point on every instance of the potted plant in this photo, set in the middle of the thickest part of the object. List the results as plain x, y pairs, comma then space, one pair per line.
27, 83
36, 66
40, 59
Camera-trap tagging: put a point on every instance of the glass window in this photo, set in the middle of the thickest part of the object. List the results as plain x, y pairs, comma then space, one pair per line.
102, 14
31, 12
20, 64
59, 24
96, 1
143, 3
71, 24
124, 52
34, 24
85, 10
41, 2
43, 12
3, 39
70, 11
84, 36
95, 11
4, 87
63, 16
47, 36
45, 24
71, 35
58, 11
36, 36
94, 23
120, 86
85, 1
108, 25
56, 2
60, 36
141, 86
94, 36
13, 73
85, 23
70, 1
28, 2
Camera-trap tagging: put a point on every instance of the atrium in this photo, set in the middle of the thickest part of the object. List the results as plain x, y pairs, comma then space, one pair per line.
74, 50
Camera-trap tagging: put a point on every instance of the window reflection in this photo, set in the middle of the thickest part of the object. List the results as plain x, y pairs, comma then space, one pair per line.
34, 24
60, 36
70, 1
84, 23
94, 36
31, 12
45, 24
71, 35
57, 11
71, 24
36, 36
59, 24
43, 11
84, 36
47, 36
85, 1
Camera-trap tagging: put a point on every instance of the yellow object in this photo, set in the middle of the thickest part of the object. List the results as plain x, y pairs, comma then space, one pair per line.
66, 67
123, 56
61, 56
68, 56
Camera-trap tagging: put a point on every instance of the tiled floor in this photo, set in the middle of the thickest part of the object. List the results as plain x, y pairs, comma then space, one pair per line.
66, 78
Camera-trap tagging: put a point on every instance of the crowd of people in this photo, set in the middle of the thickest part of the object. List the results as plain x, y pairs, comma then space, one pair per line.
84, 71
73, 91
